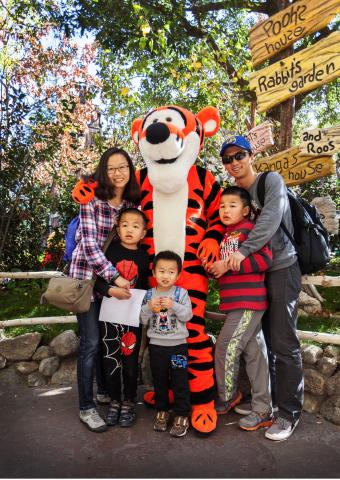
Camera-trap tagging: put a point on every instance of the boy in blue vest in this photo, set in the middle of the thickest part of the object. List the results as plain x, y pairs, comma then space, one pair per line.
166, 310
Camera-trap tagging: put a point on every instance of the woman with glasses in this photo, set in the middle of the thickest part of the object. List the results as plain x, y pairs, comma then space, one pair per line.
115, 187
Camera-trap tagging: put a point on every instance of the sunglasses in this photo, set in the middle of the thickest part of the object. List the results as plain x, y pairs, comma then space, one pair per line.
228, 159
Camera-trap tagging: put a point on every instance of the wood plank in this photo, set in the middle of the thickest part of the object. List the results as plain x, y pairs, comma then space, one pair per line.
325, 141
276, 33
47, 274
306, 70
19, 322
322, 280
331, 338
261, 137
296, 168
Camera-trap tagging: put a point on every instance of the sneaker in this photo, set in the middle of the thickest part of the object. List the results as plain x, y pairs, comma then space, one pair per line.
281, 429
113, 413
103, 398
224, 407
243, 408
161, 422
255, 420
127, 414
92, 420
180, 427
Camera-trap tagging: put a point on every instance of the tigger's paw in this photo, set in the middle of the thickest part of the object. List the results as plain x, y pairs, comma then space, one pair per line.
208, 252
204, 418
84, 192
149, 398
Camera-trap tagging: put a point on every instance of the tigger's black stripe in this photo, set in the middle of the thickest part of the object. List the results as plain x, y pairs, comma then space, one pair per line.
203, 397
197, 294
190, 231
199, 222
143, 174
201, 172
215, 235
193, 203
189, 256
181, 114
198, 192
213, 193
198, 269
149, 233
148, 206
200, 366
200, 345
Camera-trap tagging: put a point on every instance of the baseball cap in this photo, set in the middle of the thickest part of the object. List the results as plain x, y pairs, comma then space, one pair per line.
236, 141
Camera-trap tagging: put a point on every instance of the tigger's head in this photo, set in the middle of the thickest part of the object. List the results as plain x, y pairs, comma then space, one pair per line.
170, 139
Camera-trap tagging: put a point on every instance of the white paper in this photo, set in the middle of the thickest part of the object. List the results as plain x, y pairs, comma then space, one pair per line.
125, 312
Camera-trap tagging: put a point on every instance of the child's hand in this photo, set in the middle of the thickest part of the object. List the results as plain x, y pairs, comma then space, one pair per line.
166, 303
218, 268
120, 293
155, 305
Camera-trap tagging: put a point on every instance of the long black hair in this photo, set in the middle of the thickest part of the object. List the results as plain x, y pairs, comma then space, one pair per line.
105, 190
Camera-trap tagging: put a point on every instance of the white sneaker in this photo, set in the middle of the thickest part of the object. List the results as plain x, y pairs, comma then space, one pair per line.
281, 429
92, 420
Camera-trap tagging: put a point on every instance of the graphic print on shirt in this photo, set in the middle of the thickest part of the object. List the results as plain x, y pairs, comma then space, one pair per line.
229, 244
128, 270
164, 322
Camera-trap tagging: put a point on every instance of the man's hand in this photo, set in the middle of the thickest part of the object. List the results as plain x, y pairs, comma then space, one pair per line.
120, 293
218, 268
166, 303
122, 283
235, 260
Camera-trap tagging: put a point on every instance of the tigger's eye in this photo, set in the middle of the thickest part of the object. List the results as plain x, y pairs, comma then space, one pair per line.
155, 120
168, 119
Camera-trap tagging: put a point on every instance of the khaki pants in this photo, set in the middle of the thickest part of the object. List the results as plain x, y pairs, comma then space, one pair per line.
241, 333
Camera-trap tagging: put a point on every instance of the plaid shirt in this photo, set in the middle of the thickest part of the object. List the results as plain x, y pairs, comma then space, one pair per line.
97, 218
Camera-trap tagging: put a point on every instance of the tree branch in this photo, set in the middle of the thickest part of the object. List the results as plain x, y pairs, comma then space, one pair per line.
240, 4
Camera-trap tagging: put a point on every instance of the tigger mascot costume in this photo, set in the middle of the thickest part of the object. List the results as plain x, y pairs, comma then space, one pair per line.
181, 201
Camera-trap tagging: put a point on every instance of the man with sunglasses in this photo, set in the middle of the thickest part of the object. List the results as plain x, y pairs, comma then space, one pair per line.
283, 282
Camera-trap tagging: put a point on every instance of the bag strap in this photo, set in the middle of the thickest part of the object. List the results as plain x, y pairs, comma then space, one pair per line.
177, 293
261, 195
148, 295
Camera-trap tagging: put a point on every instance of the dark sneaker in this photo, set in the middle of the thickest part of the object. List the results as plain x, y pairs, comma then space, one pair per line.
180, 427
161, 422
113, 414
256, 420
243, 408
103, 398
224, 407
92, 420
127, 415
281, 429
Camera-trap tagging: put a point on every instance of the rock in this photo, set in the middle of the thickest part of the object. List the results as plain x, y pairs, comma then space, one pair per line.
21, 347
315, 382
3, 362
302, 313
309, 304
49, 365
311, 354
65, 344
330, 409
332, 351
333, 385
26, 367
67, 373
10, 376
327, 366
36, 379
312, 403
43, 352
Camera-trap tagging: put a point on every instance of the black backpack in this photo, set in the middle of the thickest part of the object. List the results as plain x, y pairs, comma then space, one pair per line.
311, 239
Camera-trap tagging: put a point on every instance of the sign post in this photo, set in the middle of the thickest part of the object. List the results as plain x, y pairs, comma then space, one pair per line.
324, 141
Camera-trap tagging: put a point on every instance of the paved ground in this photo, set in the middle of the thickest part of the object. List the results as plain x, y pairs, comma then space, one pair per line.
42, 437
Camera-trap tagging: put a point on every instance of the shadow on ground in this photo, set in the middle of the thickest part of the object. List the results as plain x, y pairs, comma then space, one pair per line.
41, 436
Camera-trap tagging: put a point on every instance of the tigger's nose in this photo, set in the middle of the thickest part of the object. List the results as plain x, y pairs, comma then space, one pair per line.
157, 133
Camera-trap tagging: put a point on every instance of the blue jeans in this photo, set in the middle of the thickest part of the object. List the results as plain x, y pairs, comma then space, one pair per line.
89, 357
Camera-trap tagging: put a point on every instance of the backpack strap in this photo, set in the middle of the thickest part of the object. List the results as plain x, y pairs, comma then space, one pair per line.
148, 295
177, 293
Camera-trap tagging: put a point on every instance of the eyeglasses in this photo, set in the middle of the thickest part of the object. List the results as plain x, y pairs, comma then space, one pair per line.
228, 159
121, 169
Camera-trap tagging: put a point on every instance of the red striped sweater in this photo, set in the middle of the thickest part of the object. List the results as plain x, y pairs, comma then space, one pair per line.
246, 288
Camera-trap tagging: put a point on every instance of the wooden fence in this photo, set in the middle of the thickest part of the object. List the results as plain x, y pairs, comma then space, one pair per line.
322, 280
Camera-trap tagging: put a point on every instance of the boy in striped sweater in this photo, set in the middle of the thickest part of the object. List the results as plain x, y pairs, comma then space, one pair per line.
243, 300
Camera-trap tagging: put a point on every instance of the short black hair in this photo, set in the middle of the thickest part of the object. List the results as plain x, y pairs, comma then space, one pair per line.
240, 192
132, 210
167, 255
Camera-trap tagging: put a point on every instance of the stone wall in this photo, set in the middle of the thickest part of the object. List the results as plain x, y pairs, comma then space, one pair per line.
23, 361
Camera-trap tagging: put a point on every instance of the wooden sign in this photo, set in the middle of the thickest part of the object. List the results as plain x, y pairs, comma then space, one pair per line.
302, 18
296, 168
324, 141
260, 137
298, 73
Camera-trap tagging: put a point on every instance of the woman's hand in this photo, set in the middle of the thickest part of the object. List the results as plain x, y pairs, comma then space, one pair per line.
122, 283
120, 293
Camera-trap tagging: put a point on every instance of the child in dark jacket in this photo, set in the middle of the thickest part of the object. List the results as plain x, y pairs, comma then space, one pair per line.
243, 300
121, 343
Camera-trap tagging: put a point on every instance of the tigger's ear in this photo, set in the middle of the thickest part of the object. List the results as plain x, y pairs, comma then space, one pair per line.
210, 119
135, 128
